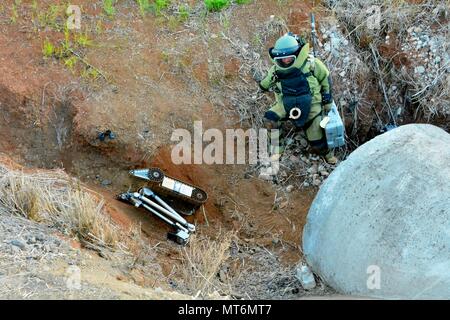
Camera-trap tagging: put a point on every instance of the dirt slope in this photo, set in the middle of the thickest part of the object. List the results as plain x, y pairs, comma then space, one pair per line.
158, 78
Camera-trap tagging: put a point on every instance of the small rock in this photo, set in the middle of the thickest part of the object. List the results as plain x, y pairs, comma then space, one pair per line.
265, 176
222, 276
284, 204
316, 182
305, 159
419, 69
40, 237
324, 173
15, 250
31, 240
313, 169
306, 277
306, 184
18, 243
106, 182
290, 188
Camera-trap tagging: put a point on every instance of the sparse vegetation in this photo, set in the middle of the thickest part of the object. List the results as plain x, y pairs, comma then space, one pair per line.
202, 261
48, 49
83, 40
14, 12
71, 62
144, 6
52, 17
53, 198
183, 13
160, 5
108, 7
216, 5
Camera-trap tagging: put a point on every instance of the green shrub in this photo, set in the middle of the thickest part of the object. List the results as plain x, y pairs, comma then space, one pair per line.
216, 5
108, 7
48, 49
183, 13
144, 6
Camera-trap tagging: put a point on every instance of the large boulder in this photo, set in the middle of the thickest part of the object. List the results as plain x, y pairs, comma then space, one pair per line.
380, 224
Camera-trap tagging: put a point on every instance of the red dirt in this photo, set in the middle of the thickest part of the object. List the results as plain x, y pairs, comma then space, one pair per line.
152, 91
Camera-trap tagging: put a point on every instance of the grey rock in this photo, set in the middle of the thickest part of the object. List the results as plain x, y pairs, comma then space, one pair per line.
40, 237
31, 240
19, 244
419, 69
312, 169
222, 276
393, 218
290, 188
324, 173
106, 182
265, 176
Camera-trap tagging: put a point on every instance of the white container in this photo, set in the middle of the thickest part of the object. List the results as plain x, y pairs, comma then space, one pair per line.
306, 277
334, 129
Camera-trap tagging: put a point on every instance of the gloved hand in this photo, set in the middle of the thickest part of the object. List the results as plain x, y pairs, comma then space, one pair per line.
256, 75
327, 102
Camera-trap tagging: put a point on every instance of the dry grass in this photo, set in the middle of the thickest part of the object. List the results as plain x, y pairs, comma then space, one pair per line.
202, 260
52, 197
396, 17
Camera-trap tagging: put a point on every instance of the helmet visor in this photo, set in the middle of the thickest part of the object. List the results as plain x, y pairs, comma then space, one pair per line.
286, 61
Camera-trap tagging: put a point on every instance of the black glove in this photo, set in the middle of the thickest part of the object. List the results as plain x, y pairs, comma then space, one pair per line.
326, 98
327, 102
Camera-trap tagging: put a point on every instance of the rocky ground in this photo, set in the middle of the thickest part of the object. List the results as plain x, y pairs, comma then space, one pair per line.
37, 263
